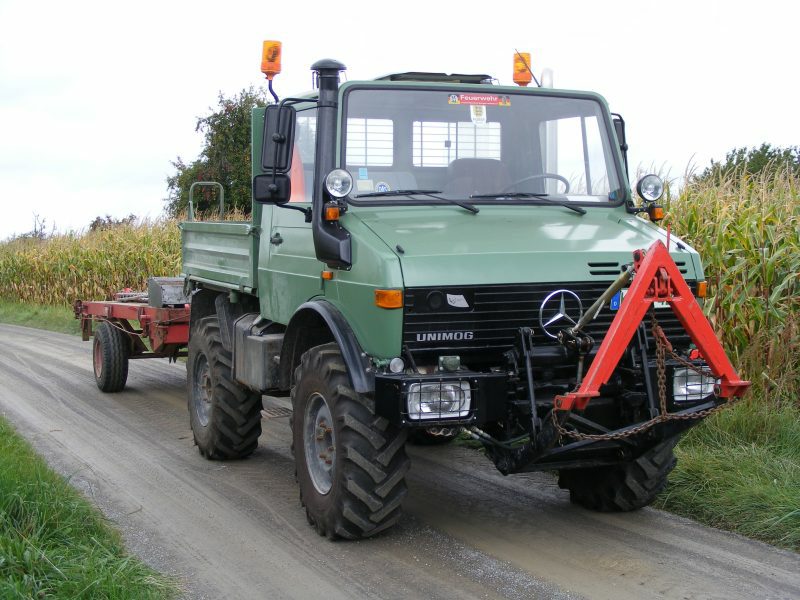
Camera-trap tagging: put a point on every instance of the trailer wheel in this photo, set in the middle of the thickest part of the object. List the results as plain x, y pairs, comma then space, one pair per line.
110, 351
225, 418
624, 487
350, 464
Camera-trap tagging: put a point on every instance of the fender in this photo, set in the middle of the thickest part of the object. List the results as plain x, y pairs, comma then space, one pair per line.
318, 322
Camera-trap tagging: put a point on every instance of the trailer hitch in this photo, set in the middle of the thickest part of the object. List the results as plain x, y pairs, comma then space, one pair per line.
656, 278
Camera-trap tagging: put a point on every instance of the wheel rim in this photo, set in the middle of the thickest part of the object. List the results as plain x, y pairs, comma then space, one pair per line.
320, 443
201, 392
97, 355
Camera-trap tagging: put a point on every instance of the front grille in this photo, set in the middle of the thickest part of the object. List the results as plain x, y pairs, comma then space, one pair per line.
488, 317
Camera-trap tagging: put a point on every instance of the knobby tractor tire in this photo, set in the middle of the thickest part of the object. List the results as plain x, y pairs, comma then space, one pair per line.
225, 418
366, 473
110, 352
624, 487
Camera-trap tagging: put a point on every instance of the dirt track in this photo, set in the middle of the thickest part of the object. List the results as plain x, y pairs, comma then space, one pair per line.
236, 530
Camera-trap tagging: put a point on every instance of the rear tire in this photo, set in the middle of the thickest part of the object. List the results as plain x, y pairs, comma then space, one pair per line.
350, 464
110, 352
624, 487
225, 418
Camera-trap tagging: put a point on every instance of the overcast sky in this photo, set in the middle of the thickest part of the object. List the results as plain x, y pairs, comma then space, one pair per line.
96, 98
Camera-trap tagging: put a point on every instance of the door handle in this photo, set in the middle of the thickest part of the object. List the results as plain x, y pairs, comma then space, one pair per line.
276, 239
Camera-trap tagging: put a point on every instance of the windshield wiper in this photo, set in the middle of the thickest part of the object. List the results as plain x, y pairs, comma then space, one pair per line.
545, 197
430, 193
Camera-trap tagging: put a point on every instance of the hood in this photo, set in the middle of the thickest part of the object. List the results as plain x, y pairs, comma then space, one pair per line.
443, 245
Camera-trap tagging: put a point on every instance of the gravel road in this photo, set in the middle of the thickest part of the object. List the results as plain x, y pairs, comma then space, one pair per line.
236, 530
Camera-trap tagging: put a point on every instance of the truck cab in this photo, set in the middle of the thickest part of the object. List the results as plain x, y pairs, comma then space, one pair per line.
418, 245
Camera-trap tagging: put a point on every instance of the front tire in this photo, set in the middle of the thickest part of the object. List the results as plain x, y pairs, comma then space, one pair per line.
350, 464
225, 418
624, 487
110, 351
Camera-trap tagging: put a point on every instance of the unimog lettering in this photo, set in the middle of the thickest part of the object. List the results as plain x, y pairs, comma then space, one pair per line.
445, 336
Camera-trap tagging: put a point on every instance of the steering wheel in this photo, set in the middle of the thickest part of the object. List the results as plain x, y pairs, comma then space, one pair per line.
555, 176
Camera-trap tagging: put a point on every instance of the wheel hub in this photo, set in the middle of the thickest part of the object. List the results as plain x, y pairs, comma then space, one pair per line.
202, 393
319, 442
98, 359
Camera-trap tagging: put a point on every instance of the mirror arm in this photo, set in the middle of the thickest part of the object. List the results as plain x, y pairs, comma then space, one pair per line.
306, 211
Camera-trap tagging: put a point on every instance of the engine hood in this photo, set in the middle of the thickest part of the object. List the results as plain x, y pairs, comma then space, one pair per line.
443, 245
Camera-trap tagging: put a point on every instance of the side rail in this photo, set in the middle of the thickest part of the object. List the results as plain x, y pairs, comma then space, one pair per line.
207, 184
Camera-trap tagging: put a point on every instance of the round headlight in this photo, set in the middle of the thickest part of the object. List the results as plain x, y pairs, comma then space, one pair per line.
397, 365
650, 188
339, 183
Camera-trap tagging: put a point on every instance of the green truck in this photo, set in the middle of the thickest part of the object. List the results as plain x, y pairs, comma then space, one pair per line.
419, 246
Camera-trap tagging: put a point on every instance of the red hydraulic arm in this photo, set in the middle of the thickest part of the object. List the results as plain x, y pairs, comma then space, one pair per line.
656, 279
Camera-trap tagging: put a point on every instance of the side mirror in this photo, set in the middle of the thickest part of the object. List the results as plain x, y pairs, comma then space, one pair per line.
278, 139
619, 129
272, 189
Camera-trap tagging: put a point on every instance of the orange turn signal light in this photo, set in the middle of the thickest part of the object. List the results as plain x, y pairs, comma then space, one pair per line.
389, 298
702, 289
655, 212
327, 275
522, 68
271, 58
332, 213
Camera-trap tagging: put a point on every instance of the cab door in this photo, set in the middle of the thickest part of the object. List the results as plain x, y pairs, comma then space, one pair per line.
289, 272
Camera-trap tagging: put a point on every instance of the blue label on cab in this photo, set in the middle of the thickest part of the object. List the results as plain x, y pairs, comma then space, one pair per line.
616, 300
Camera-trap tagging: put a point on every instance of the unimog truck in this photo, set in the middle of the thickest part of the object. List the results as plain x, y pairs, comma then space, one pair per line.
431, 254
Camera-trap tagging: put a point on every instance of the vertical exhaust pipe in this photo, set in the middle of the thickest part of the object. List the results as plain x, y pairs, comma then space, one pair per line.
331, 240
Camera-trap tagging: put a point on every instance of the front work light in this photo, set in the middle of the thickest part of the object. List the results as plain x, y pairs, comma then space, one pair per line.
690, 386
339, 183
438, 400
650, 188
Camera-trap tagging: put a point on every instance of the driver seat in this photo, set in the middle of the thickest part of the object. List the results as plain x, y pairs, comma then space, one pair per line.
466, 176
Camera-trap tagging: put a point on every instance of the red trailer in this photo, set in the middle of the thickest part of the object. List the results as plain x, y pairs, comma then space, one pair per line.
135, 325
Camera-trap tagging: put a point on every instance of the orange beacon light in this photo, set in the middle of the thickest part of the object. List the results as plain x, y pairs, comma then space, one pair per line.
271, 58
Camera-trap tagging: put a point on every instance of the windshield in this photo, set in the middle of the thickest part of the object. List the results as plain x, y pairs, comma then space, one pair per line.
481, 146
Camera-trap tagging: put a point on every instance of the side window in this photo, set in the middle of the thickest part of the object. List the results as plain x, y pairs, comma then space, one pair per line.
305, 140
437, 144
370, 142
575, 151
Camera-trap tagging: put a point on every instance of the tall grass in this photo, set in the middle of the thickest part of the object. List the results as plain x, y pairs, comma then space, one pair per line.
53, 543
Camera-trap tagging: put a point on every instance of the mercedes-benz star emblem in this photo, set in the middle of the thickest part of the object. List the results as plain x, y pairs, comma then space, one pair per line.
557, 314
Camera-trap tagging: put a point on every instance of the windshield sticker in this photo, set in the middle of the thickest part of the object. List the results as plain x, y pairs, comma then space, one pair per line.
364, 185
362, 173
477, 113
382, 186
479, 99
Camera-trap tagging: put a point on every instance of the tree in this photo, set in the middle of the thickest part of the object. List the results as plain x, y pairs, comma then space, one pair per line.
225, 157
108, 222
754, 161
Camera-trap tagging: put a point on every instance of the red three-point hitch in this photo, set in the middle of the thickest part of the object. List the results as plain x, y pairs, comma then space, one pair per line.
656, 279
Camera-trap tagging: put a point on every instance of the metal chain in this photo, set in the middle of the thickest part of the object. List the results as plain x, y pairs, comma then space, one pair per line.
663, 347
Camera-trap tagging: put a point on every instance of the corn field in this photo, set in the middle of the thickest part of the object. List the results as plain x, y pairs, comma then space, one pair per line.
94, 265
746, 228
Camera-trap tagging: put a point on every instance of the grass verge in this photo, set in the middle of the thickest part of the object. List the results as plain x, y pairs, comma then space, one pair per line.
740, 471
53, 543
52, 318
